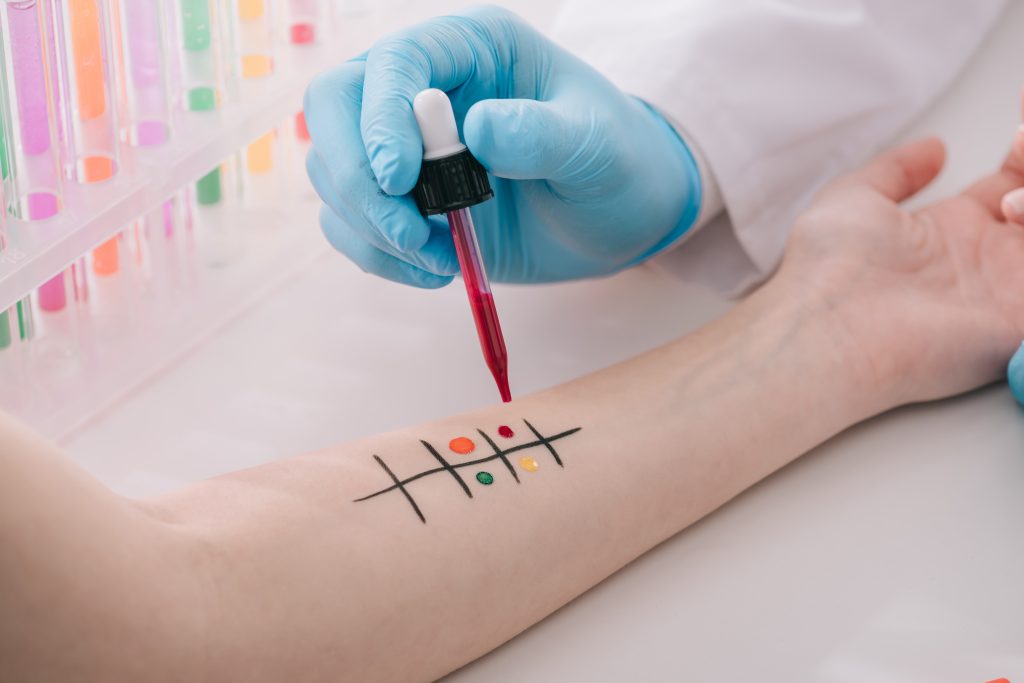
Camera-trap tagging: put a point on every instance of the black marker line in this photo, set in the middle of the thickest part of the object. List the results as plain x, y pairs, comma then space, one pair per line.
401, 487
478, 461
446, 466
498, 452
546, 442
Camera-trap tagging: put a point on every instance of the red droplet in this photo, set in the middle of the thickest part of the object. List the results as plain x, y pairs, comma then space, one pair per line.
506, 431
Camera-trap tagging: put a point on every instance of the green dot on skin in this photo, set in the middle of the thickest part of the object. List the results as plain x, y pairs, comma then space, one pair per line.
202, 99
208, 188
485, 478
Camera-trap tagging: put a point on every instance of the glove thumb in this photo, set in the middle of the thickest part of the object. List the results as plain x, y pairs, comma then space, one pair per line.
522, 139
1015, 373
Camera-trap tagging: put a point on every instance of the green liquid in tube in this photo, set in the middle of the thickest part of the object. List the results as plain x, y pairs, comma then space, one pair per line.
195, 22
5, 164
5, 330
208, 188
24, 322
202, 99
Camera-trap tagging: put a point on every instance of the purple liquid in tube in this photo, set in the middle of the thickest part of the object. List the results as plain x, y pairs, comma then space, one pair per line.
30, 95
145, 58
29, 78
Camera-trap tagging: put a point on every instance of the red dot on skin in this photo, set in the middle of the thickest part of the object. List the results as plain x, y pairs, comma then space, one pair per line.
506, 431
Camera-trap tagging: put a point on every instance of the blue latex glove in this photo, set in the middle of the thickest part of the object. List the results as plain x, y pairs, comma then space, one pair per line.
587, 179
1015, 373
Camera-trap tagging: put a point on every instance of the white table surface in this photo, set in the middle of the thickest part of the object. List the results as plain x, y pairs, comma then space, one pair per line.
892, 553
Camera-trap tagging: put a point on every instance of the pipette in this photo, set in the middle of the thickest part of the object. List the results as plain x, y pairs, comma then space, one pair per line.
452, 180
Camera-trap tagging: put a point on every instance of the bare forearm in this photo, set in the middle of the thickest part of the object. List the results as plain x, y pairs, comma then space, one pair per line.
320, 567
310, 582
91, 584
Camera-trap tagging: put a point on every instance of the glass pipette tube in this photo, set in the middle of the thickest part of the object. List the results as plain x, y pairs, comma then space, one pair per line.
481, 301
31, 167
452, 180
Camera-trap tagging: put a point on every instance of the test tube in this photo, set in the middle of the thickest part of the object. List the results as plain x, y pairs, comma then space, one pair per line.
301, 131
303, 18
199, 38
216, 219
295, 151
259, 155
141, 39
5, 318
86, 89
255, 50
5, 330
20, 309
255, 38
30, 137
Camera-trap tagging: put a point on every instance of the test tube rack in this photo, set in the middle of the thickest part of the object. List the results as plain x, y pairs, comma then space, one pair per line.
187, 268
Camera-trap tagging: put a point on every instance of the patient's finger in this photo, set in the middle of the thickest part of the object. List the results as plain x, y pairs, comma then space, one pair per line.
902, 172
992, 190
1013, 206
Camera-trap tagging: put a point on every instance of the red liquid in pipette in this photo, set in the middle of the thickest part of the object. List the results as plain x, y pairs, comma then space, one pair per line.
481, 300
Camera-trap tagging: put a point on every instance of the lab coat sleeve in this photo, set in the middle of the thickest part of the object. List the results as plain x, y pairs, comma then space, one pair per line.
778, 97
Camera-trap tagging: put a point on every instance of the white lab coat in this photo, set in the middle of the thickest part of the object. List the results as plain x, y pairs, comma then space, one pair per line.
777, 97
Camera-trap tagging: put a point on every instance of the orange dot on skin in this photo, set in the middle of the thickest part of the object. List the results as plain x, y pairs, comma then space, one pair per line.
529, 464
462, 445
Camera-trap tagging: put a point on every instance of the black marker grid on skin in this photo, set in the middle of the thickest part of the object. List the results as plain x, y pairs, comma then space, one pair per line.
452, 469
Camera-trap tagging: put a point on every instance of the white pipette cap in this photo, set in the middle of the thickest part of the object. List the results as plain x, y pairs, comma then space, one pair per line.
433, 111
450, 177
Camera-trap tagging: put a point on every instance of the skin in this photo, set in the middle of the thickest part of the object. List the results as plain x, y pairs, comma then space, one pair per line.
274, 573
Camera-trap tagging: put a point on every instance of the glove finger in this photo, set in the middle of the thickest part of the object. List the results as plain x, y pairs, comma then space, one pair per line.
1015, 373
332, 106
522, 139
437, 255
371, 259
445, 52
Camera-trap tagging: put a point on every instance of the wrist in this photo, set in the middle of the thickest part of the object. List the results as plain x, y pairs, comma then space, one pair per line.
812, 337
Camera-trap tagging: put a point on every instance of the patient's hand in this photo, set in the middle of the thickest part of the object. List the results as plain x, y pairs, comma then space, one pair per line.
931, 298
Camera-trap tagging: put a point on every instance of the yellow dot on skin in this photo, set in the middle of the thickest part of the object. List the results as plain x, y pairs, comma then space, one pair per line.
529, 464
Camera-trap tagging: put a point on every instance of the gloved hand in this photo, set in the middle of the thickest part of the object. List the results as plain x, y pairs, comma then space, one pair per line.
587, 179
1016, 375
1013, 208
